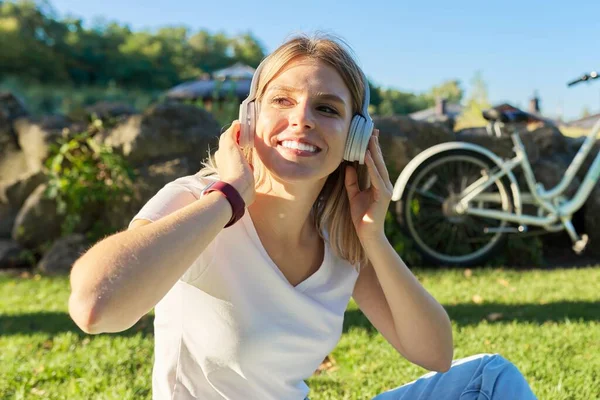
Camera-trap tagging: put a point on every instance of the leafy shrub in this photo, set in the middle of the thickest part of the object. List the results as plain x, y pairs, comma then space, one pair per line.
400, 242
84, 176
520, 251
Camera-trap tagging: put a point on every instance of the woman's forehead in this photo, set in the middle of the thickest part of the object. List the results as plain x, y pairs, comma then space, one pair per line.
312, 75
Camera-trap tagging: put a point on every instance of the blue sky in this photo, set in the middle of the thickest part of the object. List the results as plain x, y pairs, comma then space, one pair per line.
519, 46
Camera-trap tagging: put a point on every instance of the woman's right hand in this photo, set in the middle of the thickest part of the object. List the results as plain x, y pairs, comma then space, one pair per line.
232, 165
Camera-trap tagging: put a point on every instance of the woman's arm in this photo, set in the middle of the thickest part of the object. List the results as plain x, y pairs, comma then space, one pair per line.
125, 275
402, 310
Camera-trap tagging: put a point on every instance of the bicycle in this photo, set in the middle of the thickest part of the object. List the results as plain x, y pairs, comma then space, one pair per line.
458, 201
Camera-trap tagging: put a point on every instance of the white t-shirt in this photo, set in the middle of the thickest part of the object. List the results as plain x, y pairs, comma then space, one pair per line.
233, 327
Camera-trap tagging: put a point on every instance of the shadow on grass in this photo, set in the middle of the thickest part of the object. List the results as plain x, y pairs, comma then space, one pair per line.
462, 314
501, 313
58, 322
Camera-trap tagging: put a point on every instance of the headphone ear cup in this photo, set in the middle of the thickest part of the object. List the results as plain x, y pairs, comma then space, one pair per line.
349, 150
365, 135
358, 139
247, 124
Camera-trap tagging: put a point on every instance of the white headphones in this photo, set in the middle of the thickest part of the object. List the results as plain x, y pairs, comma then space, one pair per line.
361, 125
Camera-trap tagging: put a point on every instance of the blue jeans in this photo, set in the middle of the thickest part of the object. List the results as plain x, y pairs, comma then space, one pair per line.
479, 377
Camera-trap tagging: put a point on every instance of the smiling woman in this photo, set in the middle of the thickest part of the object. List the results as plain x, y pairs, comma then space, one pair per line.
252, 261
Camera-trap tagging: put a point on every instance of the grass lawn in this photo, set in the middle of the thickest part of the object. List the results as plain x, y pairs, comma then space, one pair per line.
546, 322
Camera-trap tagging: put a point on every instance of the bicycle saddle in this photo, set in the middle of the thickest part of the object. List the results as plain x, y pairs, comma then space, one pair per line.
494, 115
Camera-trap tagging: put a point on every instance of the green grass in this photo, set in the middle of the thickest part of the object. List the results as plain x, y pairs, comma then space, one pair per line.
549, 327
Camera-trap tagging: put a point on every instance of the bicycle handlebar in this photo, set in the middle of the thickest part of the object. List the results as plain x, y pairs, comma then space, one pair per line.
584, 78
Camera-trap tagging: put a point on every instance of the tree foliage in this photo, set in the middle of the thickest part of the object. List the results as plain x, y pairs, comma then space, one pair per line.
39, 47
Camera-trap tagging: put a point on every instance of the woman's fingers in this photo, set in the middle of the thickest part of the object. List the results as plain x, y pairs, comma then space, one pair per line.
377, 156
351, 181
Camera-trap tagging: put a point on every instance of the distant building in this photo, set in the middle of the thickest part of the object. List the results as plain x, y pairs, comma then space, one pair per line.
442, 111
233, 81
585, 122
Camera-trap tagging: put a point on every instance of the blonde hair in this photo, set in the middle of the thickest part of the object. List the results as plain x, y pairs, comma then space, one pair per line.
331, 211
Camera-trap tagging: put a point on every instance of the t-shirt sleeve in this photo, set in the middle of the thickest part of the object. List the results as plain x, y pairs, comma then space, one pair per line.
172, 197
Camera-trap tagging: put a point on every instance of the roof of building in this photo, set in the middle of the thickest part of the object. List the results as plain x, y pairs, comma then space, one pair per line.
234, 80
236, 71
585, 122
452, 110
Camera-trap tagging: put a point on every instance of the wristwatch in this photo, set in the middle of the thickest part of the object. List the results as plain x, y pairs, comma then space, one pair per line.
238, 206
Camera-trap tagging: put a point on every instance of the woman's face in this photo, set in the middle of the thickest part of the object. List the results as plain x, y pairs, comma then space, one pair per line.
303, 122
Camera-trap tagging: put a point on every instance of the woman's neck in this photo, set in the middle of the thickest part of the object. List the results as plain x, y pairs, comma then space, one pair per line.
284, 211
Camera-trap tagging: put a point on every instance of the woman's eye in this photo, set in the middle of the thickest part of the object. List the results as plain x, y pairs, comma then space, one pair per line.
328, 110
280, 101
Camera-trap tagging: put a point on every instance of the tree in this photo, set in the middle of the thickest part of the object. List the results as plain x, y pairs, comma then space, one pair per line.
449, 90
586, 112
476, 103
248, 50
395, 102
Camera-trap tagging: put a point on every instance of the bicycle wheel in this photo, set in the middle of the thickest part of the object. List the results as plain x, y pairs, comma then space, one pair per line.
427, 210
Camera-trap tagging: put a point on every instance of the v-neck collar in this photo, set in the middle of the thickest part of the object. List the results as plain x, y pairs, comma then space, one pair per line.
303, 285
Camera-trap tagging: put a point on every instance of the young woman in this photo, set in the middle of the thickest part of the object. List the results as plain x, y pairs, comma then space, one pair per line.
251, 262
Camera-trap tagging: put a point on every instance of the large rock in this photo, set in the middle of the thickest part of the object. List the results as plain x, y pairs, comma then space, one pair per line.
59, 259
12, 160
549, 172
150, 180
402, 138
7, 219
163, 132
17, 190
11, 255
110, 110
37, 222
548, 140
12, 196
592, 221
36, 135
502, 146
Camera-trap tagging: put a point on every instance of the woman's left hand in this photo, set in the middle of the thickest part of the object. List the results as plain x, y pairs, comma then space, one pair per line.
369, 207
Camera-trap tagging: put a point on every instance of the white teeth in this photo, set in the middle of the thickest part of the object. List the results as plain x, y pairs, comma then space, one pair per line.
290, 144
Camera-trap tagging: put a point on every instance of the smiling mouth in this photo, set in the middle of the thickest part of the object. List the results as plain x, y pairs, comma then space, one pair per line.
298, 147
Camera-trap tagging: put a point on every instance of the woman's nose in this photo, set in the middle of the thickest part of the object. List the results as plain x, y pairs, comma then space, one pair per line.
302, 117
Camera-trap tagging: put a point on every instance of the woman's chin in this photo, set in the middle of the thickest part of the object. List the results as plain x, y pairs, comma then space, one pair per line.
294, 173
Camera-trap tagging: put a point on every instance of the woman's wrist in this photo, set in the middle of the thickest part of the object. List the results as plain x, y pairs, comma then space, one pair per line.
225, 208
232, 195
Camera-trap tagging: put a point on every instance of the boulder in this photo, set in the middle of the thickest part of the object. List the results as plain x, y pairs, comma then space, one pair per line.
59, 259
402, 138
37, 222
150, 179
7, 219
12, 196
36, 135
164, 132
592, 221
106, 110
548, 140
12, 160
12, 255
17, 191
549, 172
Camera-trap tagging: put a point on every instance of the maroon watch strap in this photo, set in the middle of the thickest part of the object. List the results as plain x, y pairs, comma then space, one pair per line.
238, 205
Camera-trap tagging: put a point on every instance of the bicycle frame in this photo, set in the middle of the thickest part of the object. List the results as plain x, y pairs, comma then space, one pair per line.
557, 208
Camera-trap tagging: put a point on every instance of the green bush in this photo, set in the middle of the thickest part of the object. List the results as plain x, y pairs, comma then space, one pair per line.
84, 177
401, 243
519, 251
